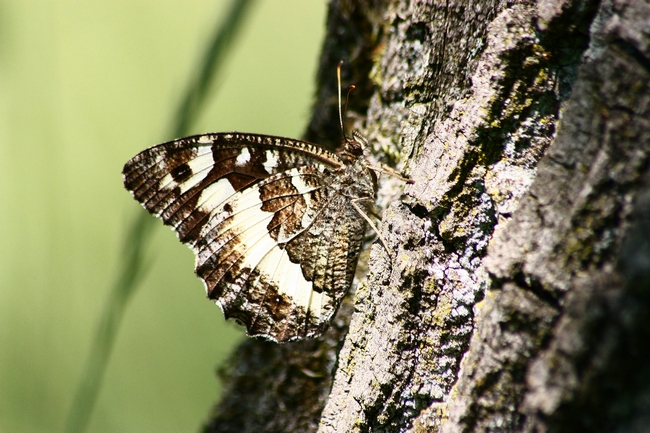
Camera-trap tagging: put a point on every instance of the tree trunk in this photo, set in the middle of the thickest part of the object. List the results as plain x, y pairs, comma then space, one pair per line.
515, 292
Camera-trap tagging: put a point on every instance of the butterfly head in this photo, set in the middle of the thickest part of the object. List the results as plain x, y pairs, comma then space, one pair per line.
353, 147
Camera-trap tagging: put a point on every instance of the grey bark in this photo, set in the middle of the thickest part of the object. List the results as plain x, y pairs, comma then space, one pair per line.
515, 291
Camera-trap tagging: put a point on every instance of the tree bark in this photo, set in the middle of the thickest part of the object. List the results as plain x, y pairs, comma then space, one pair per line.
514, 290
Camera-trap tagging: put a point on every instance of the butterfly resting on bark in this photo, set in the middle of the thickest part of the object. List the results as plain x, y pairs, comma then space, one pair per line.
276, 224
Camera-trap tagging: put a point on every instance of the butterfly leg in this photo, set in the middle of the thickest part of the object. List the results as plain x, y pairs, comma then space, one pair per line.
386, 169
369, 221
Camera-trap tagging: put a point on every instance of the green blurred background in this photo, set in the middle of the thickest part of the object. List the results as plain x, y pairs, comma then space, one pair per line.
84, 86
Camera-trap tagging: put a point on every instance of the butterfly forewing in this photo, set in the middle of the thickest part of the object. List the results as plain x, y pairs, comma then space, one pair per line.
269, 219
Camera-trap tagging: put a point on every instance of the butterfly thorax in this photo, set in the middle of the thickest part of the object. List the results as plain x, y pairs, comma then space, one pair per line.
356, 180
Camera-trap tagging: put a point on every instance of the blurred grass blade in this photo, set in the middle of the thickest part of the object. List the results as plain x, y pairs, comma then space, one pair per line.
213, 59
111, 317
137, 236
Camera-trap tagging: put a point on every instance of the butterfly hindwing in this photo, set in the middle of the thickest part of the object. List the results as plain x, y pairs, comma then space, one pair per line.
269, 219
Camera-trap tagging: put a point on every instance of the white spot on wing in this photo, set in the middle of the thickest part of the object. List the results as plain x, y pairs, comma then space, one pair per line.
271, 161
316, 303
215, 195
304, 190
243, 158
283, 273
246, 211
277, 267
237, 219
298, 183
258, 240
295, 285
250, 203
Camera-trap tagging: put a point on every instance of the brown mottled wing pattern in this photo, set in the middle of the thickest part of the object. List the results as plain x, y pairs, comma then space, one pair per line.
270, 220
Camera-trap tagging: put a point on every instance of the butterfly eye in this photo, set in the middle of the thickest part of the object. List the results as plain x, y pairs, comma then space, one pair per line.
356, 144
354, 148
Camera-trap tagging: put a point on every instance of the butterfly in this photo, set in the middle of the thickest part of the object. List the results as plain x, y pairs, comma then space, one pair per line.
276, 224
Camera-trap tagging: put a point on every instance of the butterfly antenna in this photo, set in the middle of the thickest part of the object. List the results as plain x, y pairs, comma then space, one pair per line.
338, 76
347, 98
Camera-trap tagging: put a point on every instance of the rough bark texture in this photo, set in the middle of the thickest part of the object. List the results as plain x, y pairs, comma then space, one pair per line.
515, 294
